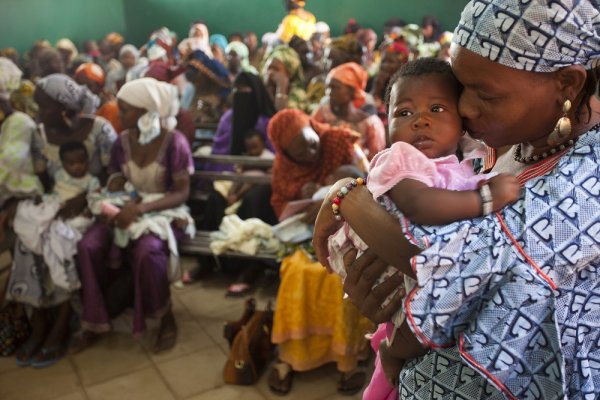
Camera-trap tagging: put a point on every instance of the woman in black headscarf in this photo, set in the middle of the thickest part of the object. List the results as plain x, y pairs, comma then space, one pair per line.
252, 109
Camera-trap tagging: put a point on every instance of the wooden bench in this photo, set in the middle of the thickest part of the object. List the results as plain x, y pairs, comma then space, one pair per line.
200, 245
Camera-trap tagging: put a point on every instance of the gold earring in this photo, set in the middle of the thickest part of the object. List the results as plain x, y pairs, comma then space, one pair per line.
562, 130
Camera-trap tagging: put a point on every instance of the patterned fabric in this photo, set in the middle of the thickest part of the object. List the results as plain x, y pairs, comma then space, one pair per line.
17, 137
21, 99
298, 22
98, 144
535, 35
10, 77
67, 92
521, 298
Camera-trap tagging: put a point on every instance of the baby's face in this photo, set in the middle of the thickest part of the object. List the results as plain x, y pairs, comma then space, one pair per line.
424, 112
116, 184
75, 163
254, 146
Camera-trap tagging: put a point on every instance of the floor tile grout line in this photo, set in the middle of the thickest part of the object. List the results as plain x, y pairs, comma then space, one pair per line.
79, 377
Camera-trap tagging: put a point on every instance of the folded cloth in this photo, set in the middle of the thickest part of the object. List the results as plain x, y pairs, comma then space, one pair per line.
246, 236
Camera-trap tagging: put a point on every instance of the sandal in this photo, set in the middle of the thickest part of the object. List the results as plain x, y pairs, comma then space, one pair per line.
47, 356
26, 352
352, 382
280, 378
238, 289
167, 337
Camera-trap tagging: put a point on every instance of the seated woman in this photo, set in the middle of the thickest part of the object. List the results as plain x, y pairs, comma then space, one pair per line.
64, 113
237, 59
212, 86
341, 50
155, 159
252, 109
342, 107
283, 76
18, 140
313, 324
506, 303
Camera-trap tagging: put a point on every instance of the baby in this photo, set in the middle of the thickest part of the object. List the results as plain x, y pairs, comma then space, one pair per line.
426, 176
255, 146
117, 193
36, 223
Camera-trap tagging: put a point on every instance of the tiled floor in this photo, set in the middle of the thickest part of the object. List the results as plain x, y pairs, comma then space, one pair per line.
120, 368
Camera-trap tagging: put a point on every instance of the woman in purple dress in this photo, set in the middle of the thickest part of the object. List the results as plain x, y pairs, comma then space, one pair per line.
155, 159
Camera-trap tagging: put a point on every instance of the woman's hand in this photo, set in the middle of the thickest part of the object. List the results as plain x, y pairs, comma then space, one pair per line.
129, 213
326, 224
362, 273
73, 207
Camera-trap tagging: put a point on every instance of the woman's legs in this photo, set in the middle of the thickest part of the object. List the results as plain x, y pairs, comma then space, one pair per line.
56, 338
39, 329
92, 252
150, 262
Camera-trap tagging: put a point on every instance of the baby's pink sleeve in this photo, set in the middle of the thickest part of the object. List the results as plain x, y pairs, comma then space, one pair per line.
400, 161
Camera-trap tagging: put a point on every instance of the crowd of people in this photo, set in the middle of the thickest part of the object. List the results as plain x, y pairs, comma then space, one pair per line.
451, 179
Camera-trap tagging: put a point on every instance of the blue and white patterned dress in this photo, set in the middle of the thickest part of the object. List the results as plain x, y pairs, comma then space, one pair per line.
510, 302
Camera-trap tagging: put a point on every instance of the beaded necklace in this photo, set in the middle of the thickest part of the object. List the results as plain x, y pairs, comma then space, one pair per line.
538, 157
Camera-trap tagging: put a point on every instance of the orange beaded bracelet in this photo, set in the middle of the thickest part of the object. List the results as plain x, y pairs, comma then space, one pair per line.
335, 203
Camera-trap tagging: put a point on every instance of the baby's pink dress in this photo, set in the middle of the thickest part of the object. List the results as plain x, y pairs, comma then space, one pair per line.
388, 167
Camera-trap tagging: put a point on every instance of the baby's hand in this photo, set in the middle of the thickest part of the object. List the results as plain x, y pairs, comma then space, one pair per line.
505, 190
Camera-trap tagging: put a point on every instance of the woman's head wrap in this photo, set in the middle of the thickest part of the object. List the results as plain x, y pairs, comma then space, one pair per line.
536, 35
353, 75
67, 44
67, 92
159, 99
243, 53
129, 48
91, 71
10, 77
219, 40
290, 59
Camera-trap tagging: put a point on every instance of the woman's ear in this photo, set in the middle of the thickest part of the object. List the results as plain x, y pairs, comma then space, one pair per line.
571, 81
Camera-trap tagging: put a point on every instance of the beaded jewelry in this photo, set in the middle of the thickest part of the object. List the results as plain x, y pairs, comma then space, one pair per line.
335, 203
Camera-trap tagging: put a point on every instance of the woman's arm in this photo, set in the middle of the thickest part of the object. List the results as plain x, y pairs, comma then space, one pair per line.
174, 198
379, 229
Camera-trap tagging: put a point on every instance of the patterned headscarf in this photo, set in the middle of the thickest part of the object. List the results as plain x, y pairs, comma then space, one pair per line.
67, 92
159, 99
290, 59
10, 77
21, 99
91, 71
336, 147
537, 35
353, 75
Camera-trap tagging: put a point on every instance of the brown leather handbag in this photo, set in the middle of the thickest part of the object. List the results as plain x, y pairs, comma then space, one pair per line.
251, 350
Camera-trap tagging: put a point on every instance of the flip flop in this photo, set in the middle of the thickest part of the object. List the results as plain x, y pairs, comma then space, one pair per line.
47, 356
165, 341
280, 378
352, 382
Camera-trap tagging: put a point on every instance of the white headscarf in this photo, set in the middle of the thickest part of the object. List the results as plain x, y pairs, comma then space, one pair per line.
161, 101
129, 48
69, 93
534, 35
10, 77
